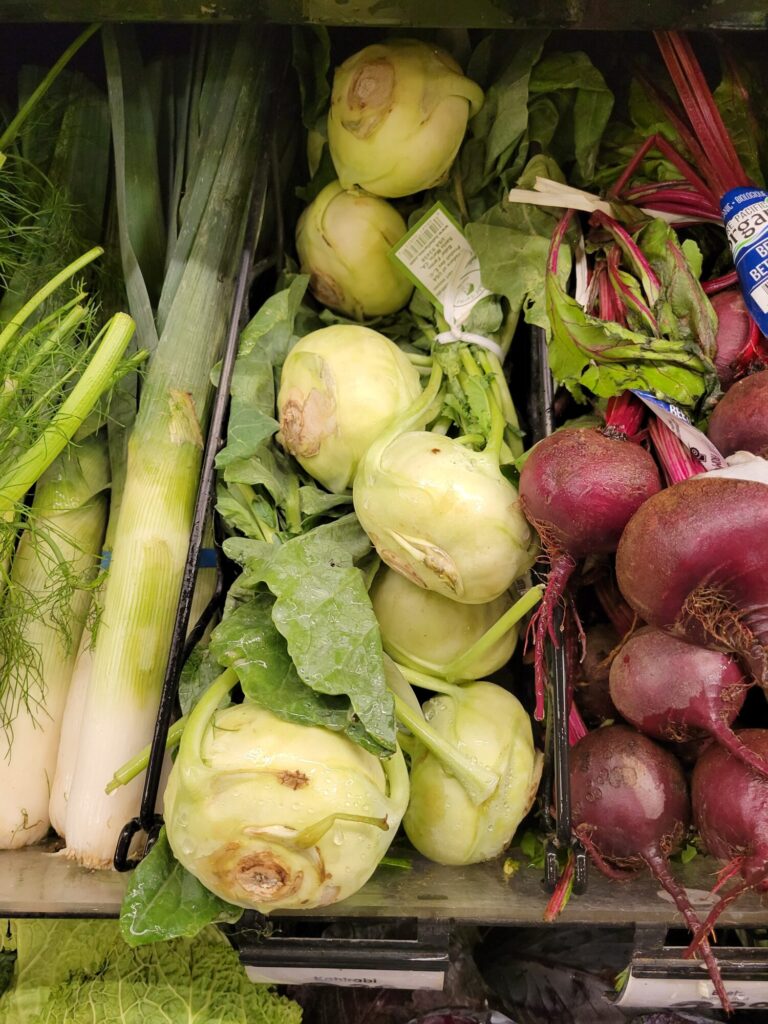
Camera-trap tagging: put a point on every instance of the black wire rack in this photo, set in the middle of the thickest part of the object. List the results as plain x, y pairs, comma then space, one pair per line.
556, 789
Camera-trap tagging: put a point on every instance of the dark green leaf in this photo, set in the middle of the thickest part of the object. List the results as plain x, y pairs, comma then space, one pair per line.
200, 670
248, 641
164, 901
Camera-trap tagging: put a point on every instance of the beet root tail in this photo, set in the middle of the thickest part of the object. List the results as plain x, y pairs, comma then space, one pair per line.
727, 738
660, 870
703, 931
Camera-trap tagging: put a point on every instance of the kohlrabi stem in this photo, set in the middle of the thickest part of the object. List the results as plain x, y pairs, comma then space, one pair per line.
458, 191
419, 359
416, 416
312, 834
398, 781
201, 714
479, 782
490, 363
456, 669
128, 772
471, 439
293, 506
428, 682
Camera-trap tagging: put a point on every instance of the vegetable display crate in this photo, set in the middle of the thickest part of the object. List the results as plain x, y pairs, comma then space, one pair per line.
38, 881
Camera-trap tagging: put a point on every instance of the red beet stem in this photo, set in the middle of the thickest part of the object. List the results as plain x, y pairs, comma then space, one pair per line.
557, 240
721, 165
659, 867
719, 284
676, 460
625, 414
561, 893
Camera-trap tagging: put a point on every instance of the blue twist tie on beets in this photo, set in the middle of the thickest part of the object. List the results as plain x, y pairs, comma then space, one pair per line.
207, 559
745, 213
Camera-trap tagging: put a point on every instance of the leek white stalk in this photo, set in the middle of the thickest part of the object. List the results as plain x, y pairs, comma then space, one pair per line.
164, 457
63, 542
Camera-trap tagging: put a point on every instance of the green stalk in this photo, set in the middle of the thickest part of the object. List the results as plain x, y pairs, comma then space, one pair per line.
37, 300
70, 415
479, 782
454, 670
10, 134
131, 769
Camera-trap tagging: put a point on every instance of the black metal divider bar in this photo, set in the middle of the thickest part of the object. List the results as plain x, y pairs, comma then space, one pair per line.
148, 820
557, 790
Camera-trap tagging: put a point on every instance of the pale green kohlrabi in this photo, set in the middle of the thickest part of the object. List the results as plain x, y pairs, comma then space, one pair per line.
343, 239
271, 815
425, 631
340, 387
447, 819
441, 513
398, 114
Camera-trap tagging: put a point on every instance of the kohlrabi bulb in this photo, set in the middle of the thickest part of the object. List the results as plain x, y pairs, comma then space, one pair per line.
489, 727
399, 111
444, 516
426, 631
271, 815
340, 388
342, 239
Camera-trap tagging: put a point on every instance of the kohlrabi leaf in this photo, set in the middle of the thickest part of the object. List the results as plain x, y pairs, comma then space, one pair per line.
272, 327
200, 670
247, 640
512, 240
164, 901
499, 126
324, 613
585, 103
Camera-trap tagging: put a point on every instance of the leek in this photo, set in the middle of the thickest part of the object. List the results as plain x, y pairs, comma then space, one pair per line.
53, 570
166, 443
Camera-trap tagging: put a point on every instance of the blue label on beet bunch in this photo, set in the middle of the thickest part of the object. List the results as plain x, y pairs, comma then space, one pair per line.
745, 212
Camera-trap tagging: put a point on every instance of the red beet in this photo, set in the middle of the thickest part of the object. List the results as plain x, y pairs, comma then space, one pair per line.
740, 420
733, 332
630, 808
591, 676
693, 560
673, 690
730, 808
579, 488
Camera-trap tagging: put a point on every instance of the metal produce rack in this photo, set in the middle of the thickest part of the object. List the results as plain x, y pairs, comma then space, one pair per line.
38, 882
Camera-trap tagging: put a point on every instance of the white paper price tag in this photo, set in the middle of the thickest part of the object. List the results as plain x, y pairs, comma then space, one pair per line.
375, 978
672, 416
441, 262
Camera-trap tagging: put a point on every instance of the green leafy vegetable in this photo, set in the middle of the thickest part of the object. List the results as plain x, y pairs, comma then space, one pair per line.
81, 972
164, 901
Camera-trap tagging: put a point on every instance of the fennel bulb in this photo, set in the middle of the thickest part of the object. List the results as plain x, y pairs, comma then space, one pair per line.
54, 565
